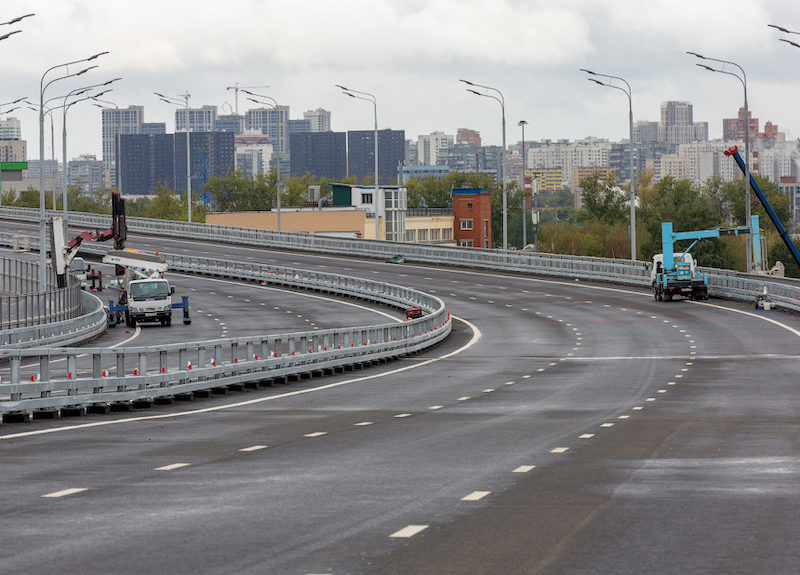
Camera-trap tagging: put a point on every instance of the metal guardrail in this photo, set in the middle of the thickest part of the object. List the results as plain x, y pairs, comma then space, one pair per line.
722, 283
56, 381
21, 302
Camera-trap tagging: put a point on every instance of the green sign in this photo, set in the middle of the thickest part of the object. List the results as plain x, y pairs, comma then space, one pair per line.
13, 166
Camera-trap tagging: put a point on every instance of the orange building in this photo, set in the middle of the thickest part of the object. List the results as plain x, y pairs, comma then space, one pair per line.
472, 217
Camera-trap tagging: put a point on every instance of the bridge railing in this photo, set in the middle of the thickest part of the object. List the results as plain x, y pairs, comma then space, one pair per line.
47, 379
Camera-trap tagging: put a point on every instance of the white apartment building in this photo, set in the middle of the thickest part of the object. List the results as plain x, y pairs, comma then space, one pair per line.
703, 158
115, 122
10, 129
430, 146
200, 119
252, 153
319, 120
589, 152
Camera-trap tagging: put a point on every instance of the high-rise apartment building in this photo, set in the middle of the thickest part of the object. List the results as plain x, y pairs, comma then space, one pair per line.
252, 154
10, 129
116, 122
321, 154
230, 123
677, 124
13, 150
645, 132
361, 153
272, 122
211, 155
430, 147
154, 128
200, 119
319, 120
85, 172
469, 137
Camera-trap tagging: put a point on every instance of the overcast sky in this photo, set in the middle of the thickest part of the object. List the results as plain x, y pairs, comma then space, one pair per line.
410, 54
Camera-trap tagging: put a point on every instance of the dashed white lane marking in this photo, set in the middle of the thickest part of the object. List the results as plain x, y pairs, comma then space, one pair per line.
316, 434
475, 496
65, 492
624, 417
662, 391
638, 408
464, 398
650, 399
540, 369
409, 531
586, 436
526, 377
172, 466
552, 364
363, 423
524, 468
402, 415
435, 407
559, 450
510, 382
606, 425
253, 448
490, 390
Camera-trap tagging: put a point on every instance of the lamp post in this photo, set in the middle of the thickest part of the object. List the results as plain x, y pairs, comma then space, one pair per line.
177, 101
274, 105
13, 21
628, 93
743, 80
522, 124
366, 96
501, 100
42, 88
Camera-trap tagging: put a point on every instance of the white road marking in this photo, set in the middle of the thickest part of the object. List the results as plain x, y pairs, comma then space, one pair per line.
489, 390
408, 531
552, 364
172, 466
435, 407
526, 377
316, 434
475, 496
662, 391
670, 383
540, 369
638, 408
559, 450
510, 382
253, 448
402, 415
650, 399
524, 469
463, 398
624, 417
586, 436
65, 492
363, 423
606, 425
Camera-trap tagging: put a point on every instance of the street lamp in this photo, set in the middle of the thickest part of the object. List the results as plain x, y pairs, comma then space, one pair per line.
501, 100
274, 105
522, 124
42, 88
366, 96
627, 92
177, 101
743, 80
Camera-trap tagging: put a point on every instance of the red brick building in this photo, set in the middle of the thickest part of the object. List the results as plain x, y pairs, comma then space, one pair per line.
472, 222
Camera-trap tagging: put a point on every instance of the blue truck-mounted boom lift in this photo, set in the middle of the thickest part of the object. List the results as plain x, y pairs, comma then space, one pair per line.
734, 152
675, 274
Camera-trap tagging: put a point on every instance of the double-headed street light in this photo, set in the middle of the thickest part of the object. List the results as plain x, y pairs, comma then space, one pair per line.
366, 96
42, 88
743, 79
272, 103
502, 101
628, 93
13, 21
183, 100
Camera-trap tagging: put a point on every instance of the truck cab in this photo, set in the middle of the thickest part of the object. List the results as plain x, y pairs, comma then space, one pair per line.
147, 300
682, 279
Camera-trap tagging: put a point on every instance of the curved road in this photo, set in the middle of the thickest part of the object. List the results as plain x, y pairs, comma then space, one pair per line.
562, 428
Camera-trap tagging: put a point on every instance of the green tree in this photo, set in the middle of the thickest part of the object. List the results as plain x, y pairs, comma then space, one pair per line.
603, 200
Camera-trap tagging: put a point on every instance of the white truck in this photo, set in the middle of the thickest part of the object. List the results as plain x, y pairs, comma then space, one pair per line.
145, 294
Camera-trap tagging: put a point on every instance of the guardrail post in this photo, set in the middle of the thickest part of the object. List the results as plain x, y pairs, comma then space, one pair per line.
264, 349
163, 365
97, 370
249, 350
183, 365
44, 372
121, 370
142, 369
16, 363
278, 347
71, 373
291, 346
201, 359
234, 351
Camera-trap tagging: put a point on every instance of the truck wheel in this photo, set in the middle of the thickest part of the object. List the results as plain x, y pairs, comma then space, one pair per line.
128, 319
667, 296
168, 321
132, 320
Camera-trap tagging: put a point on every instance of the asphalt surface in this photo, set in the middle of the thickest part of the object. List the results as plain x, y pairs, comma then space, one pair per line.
562, 428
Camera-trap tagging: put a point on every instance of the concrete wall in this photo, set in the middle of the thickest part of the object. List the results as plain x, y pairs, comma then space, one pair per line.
313, 222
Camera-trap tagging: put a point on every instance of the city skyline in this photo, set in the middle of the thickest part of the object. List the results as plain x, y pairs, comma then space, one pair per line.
533, 57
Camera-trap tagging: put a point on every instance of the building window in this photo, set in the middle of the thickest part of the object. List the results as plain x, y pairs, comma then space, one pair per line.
485, 227
410, 235
465, 243
469, 205
422, 235
366, 198
447, 234
435, 235
466, 223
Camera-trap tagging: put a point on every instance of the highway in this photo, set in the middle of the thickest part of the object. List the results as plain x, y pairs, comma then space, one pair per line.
562, 428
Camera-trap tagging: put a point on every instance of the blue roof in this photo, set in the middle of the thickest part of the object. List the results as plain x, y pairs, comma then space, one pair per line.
470, 191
